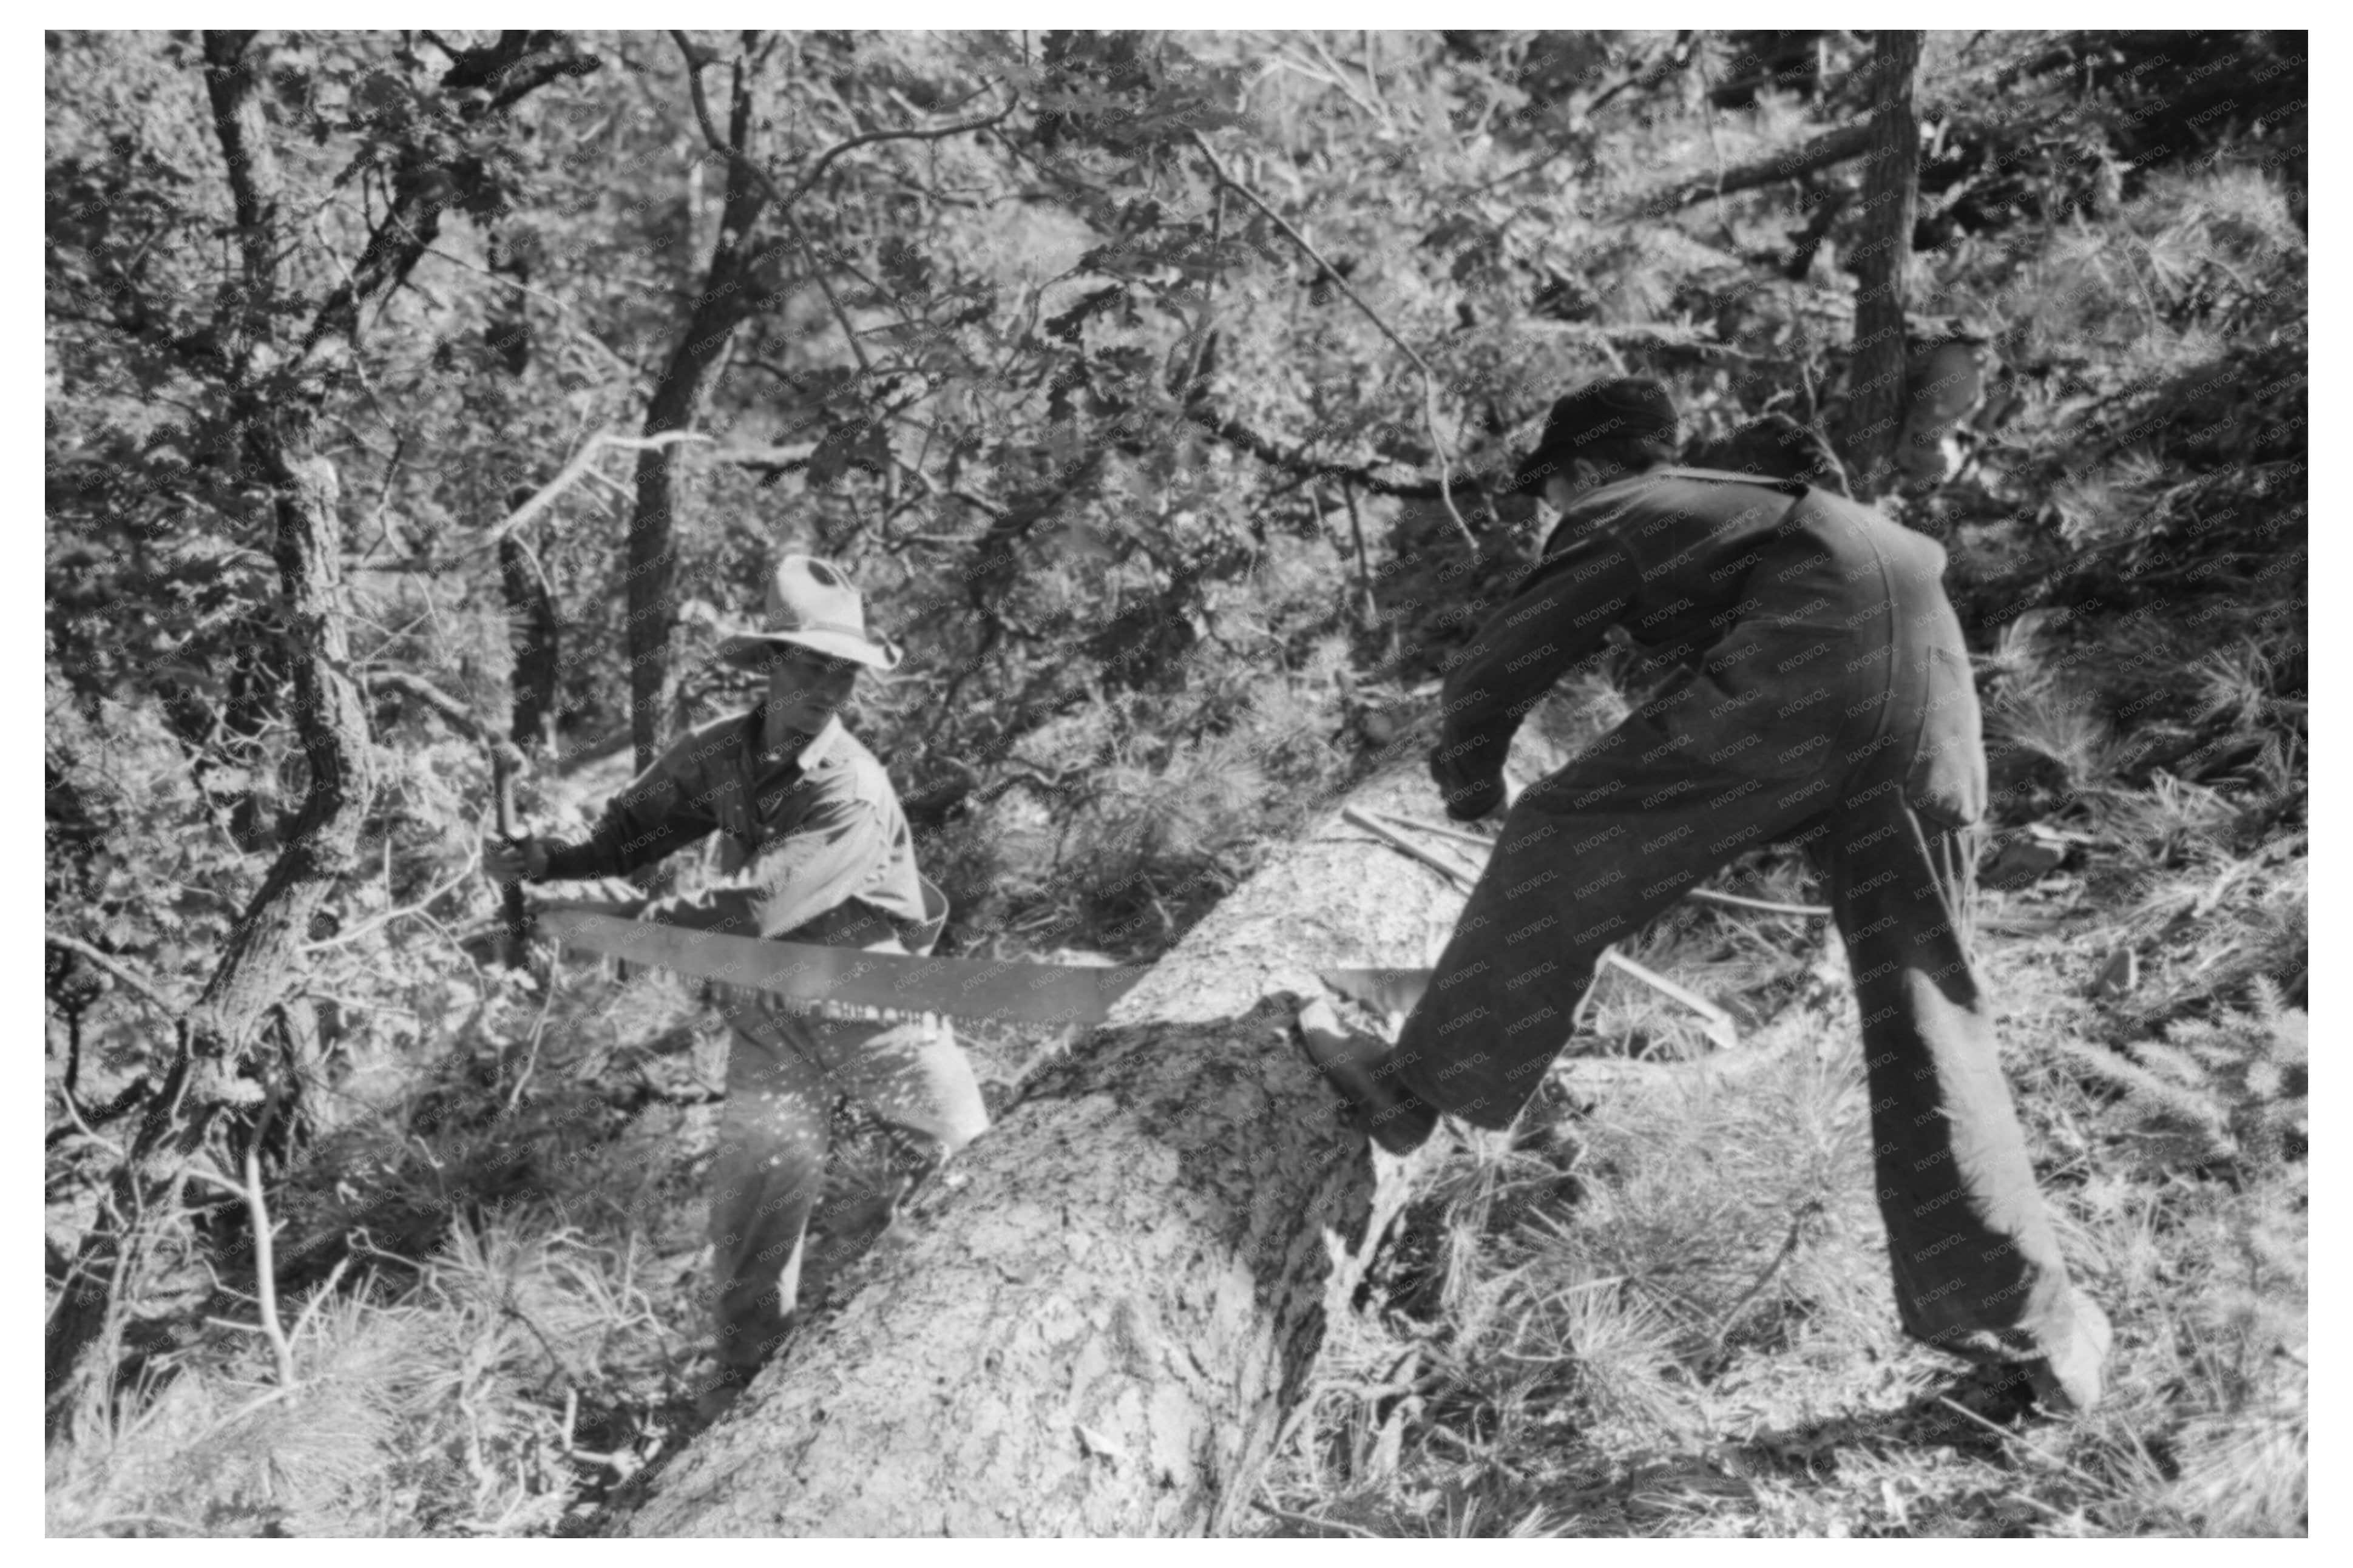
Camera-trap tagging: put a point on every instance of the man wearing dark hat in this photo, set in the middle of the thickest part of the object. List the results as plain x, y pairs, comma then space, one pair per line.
1819, 692
813, 848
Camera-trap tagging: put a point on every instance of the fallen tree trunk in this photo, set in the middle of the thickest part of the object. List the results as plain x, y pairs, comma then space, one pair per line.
1101, 1330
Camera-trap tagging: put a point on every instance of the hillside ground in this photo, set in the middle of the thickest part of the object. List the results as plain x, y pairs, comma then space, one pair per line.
1658, 1308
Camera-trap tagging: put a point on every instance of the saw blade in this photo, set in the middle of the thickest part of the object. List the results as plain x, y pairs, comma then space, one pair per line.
816, 977
1383, 990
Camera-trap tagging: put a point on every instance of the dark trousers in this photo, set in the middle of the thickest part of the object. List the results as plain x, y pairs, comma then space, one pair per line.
1591, 853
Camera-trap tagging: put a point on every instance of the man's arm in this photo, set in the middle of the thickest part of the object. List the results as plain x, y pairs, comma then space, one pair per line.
826, 860
1561, 615
650, 818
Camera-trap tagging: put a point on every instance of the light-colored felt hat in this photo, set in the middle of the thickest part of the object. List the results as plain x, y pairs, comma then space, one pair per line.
812, 604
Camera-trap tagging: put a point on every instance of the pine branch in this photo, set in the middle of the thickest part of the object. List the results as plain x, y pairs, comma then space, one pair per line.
2155, 1094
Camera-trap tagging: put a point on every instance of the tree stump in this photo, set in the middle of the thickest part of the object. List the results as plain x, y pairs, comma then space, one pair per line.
1101, 1330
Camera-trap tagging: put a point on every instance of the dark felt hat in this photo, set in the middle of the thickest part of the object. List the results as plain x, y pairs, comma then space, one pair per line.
1623, 408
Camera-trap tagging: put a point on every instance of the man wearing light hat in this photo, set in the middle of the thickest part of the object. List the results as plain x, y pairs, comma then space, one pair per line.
814, 849
1816, 692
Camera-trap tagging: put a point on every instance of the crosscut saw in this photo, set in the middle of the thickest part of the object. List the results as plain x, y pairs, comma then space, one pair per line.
848, 982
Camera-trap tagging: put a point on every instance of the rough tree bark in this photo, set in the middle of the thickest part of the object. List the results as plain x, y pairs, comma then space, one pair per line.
531, 625
1101, 1330
1890, 192
206, 1079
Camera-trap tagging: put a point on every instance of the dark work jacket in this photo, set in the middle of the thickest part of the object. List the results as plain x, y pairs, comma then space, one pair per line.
1804, 633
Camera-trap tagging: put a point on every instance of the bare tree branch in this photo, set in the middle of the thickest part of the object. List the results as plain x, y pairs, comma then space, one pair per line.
519, 64
577, 469
1428, 377
1235, 433
113, 966
1831, 147
265, 1262
545, 495
818, 165
87, 1120
697, 57
450, 711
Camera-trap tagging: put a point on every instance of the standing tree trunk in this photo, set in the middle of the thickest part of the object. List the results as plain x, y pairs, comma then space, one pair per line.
207, 1079
652, 564
1890, 192
529, 706
528, 709
1102, 1328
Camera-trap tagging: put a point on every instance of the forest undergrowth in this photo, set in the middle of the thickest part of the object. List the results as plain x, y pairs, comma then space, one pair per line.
1167, 576
1653, 1311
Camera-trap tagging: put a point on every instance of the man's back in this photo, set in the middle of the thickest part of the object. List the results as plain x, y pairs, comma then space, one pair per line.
1707, 550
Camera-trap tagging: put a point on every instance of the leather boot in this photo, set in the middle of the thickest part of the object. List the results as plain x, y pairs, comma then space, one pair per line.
713, 1399
1360, 1067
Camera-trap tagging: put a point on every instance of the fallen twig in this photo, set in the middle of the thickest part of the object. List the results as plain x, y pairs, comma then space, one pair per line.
1721, 1027
1806, 1210
1770, 907
1309, 1522
2004, 1432
1706, 895
1438, 829
1397, 841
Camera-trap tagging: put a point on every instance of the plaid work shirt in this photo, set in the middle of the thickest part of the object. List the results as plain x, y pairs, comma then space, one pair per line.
815, 847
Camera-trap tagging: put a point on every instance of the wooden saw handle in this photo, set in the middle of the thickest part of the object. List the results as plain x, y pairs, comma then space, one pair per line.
504, 761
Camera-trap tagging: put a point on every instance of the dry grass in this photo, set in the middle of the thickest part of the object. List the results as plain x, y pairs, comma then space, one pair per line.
435, 1408
1692, 1335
